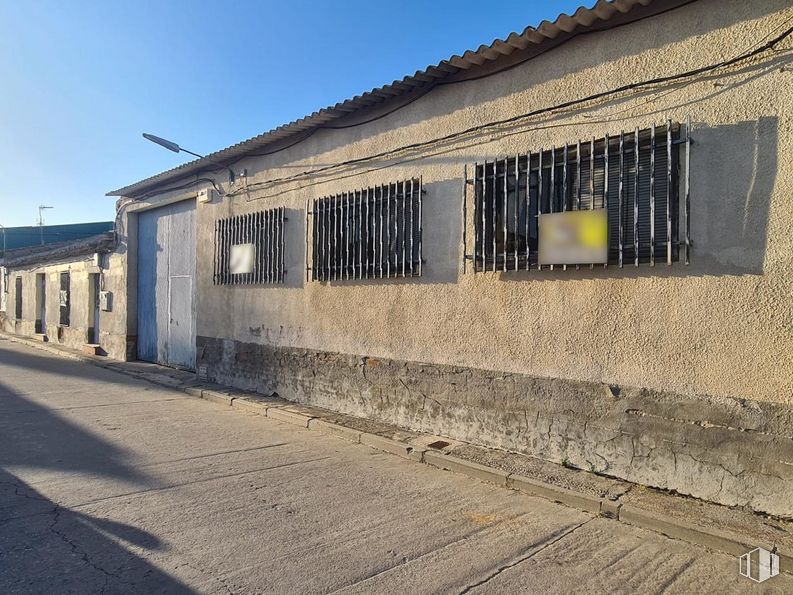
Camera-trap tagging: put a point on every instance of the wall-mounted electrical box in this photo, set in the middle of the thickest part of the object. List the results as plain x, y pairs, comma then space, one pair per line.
207, 195
106, 301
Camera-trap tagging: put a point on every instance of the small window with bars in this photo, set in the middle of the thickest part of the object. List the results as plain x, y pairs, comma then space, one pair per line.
64, 299
18, 298
366, 234
632, 177
249, 249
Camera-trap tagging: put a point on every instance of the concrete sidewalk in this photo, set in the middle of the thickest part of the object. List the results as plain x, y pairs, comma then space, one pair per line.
112, 484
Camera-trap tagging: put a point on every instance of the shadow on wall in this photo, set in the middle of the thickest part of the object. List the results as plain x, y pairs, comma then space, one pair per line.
294, 244
733, 172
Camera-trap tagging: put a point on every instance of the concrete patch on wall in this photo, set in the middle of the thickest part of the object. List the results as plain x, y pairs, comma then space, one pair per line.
734, 452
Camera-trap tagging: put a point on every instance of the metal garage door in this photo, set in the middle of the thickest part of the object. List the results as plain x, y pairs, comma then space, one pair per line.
166, 288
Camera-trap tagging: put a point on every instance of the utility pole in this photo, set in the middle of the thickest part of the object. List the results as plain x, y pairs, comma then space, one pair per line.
41, 221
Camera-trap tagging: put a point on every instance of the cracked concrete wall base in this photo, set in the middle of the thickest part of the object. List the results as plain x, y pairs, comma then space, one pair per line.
729, 451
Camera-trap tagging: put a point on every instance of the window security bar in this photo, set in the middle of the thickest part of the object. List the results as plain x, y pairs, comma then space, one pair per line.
249, 249
642, 203
366, 234
64, 299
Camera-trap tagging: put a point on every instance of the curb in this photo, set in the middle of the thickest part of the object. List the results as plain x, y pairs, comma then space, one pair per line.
290, 417
215, 397
475, 470
249, 406
395, 447
713, 538
558, 494
287, 412
343, 432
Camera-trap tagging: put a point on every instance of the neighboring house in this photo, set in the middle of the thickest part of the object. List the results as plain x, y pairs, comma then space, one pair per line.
383, 256
56, 292
13, 238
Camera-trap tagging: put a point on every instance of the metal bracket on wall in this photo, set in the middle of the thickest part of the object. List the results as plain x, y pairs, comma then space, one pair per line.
466, 182
687, 190
308, 268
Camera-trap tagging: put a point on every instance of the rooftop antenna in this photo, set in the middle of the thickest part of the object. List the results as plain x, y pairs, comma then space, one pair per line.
41, 221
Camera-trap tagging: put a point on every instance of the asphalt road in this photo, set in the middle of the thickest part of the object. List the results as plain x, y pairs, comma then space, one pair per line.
110, 484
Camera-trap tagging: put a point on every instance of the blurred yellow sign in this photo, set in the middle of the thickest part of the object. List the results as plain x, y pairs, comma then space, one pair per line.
573, 237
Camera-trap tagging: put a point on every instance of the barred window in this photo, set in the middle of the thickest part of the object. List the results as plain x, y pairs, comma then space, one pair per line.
641, 204
18, 298
365, 234
249, 249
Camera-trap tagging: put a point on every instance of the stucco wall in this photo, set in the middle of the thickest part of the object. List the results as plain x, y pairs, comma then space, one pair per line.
722, 326
77, 333
712, 448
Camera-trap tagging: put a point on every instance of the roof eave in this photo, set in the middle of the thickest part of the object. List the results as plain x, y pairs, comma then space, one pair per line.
545, 36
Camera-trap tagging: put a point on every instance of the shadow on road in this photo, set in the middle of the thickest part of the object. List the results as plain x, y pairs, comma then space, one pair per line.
66, 369
45, 547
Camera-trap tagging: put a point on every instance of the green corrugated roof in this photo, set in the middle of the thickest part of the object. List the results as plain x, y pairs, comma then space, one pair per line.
23, 237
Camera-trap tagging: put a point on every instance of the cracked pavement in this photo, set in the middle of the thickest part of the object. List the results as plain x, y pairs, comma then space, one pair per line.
109, 484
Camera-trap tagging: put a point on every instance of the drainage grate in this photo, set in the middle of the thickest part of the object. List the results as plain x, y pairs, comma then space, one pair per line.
438, 444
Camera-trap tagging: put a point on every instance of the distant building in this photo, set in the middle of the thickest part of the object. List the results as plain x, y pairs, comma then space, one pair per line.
56, 291
31, 235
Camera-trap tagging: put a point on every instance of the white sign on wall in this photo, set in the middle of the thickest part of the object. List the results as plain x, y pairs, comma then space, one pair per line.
242, 259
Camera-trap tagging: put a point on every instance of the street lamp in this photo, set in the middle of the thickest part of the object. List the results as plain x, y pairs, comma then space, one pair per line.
172, 146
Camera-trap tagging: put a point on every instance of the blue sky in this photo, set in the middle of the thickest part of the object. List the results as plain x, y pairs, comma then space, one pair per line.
82, 80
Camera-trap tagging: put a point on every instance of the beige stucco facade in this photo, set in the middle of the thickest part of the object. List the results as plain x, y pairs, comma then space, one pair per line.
88, 273
675, 376
721, 326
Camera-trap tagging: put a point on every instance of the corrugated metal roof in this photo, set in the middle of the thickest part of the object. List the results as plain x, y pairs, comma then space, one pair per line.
532, 41
24, 236
32, 255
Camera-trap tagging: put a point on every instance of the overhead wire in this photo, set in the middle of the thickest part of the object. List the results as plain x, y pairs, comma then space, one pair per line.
471, 130
427, 89
541, 111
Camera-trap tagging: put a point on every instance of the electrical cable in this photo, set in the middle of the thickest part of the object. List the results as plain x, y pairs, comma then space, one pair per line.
541, 111
442, 83
433, 85
513, 119
189, 184
655, 98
